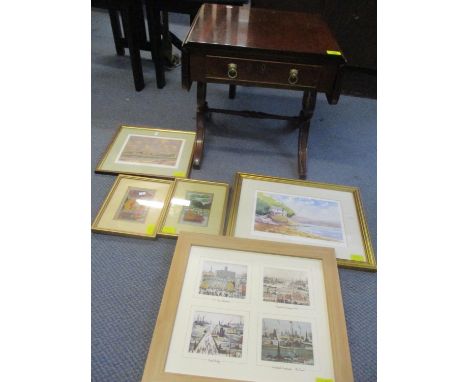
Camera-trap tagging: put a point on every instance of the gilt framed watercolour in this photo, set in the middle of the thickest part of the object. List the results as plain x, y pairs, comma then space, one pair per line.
149, 152
249, 310
302, 212
134, 207
196, 206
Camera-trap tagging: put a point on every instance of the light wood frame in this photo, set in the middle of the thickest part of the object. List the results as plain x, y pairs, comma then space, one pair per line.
155, 364
367, 264
157, 225
99, 167
196, 181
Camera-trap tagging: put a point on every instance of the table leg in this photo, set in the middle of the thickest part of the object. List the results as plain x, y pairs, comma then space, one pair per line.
130, 26
154, 27
116, 31
308, 106
201, 112
140, 20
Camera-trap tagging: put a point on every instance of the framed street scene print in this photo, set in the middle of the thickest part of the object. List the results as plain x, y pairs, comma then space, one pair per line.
248, 310
302, 212
196, 206
149, 152
134, 207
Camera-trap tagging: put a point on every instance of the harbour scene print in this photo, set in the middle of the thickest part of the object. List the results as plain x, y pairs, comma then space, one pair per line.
151, 151
285, 286
217, 334
198, 211
299, 216
287, 342
223, 280
133, 207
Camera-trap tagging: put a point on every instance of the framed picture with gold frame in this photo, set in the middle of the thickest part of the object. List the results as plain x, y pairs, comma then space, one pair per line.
248, 310
134, 207
196, 206
302, 212
145, 151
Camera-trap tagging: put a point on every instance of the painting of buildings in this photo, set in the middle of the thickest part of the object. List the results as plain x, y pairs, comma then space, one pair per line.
287, 341
285, 286
217, 334
223, 280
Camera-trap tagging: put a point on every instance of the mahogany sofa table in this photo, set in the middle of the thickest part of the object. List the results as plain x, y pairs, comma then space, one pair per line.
260, 47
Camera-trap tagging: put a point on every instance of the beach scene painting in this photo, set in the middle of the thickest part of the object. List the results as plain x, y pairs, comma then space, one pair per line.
223, 280
151, 151
285, 286
287, 342
217, 334
298, 216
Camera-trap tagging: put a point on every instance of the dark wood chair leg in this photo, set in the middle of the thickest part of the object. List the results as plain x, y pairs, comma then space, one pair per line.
200, 135
308, 105
153, 14
232, 91
116, 32
130, 25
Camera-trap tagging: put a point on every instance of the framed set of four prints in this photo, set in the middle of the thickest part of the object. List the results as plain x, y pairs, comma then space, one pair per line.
247, 310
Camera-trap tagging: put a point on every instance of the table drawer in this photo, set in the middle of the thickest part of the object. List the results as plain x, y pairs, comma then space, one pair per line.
261, 72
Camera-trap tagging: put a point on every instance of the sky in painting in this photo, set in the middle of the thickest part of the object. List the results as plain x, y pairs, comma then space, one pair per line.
319, 209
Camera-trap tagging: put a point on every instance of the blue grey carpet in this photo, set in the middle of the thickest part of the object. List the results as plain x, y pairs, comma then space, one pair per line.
129, 275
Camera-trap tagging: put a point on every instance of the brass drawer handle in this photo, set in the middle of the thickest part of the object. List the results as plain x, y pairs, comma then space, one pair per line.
232, 71
293, 76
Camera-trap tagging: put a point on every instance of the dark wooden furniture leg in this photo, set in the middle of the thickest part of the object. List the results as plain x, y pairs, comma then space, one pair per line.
129, 19
232, 91
153, 13
201, 111
308, 106
140, 21
116, 32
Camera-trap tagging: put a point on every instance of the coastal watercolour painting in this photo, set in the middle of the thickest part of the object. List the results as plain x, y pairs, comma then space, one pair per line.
287, 341
223, 280
151, 151
198, 211
285, 286
217, 334
134, 206
298, 216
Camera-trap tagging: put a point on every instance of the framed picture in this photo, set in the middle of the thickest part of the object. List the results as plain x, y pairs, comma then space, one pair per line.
149, 152
247, 310
134, 207
196, 206
302, 212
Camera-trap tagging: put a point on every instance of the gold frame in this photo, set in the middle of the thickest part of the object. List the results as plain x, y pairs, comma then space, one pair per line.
102, 209
223, 217
368, 265
99, 169
162, 335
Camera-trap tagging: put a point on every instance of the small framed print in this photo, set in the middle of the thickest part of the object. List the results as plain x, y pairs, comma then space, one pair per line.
302, 212
196, 206
248, 310
134, 207
149, 152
